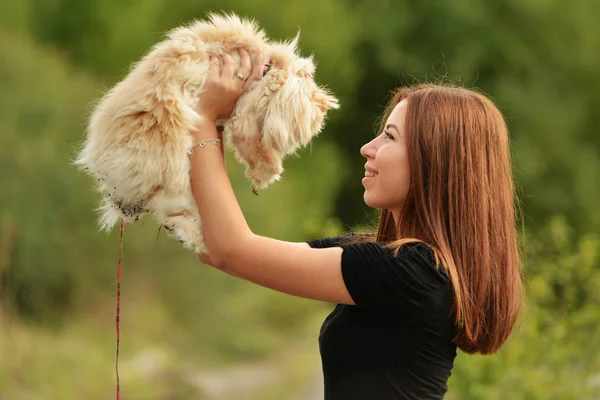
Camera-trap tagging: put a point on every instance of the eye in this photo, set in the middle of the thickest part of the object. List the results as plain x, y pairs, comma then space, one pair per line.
388, 135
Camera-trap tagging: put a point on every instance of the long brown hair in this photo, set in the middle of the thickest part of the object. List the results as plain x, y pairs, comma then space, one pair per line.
461, 203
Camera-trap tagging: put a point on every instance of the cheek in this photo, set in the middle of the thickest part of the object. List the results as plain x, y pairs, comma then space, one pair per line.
402, 185
395, 181
401, 172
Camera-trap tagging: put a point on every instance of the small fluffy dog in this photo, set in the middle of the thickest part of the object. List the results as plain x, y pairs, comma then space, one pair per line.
138, 138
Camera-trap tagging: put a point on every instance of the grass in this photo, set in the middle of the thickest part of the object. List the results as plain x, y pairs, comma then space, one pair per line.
160, 350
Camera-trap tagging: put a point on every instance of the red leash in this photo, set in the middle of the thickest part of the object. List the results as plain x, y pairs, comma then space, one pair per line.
119, 306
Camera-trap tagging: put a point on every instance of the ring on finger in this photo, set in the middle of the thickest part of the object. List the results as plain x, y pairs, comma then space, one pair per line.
242, 76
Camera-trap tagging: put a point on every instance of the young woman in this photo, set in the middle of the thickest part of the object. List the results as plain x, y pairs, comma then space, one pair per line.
443, 269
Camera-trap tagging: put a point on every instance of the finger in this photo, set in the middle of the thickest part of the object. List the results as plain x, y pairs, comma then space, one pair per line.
228, 67
214, 66
257, 68
245, 64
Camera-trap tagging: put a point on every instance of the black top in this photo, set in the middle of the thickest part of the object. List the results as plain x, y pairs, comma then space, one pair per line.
396, 343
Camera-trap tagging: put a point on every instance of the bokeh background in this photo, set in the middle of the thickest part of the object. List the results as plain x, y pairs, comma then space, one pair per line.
191, 332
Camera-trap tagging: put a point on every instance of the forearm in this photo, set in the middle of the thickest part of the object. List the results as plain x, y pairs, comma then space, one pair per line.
206, 259
224, 225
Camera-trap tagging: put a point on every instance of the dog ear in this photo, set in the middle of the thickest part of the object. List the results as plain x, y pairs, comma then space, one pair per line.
241, 127
276, 106
276, 131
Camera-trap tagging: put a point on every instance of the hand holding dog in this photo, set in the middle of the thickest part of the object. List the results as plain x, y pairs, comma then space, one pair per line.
223, 86
285, 99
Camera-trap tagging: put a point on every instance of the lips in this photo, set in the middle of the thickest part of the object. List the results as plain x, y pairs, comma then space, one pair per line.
370, 172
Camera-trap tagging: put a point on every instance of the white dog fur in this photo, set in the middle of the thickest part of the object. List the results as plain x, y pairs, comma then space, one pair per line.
138, 138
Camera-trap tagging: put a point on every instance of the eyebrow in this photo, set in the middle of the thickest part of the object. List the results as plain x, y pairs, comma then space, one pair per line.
392, 126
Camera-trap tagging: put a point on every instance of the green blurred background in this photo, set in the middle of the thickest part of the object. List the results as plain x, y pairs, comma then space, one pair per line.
190, 332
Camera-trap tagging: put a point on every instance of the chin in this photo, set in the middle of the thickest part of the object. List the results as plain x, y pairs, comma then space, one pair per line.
369, 200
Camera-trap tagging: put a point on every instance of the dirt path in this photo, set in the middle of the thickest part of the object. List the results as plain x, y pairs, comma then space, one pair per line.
243, 381
238, 382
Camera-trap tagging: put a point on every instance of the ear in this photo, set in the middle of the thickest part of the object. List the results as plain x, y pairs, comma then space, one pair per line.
276, 130
275, 105
242, 125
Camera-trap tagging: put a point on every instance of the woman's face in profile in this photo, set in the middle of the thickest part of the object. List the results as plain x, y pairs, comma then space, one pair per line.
387, 178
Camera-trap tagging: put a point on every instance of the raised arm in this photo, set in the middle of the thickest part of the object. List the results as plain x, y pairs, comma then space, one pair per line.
292, 268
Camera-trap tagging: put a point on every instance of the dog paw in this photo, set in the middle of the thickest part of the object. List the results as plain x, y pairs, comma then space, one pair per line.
187, 230
263, 177
262, 182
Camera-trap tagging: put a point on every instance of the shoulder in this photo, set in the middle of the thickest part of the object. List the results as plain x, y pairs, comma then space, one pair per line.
415, 259
376, 276
337, 241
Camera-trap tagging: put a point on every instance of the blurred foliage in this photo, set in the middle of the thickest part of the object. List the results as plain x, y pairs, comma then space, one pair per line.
553, 353
538, 60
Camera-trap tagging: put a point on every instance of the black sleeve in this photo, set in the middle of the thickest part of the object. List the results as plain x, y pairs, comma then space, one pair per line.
375, 277
337, 241
325, 242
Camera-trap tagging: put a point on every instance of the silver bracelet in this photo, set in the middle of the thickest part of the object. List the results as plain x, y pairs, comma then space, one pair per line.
202, 143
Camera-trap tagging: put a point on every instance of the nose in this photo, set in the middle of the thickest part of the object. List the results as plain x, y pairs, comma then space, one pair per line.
369, 149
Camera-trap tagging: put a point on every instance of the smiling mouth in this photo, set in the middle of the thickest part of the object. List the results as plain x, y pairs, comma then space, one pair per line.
369, 174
